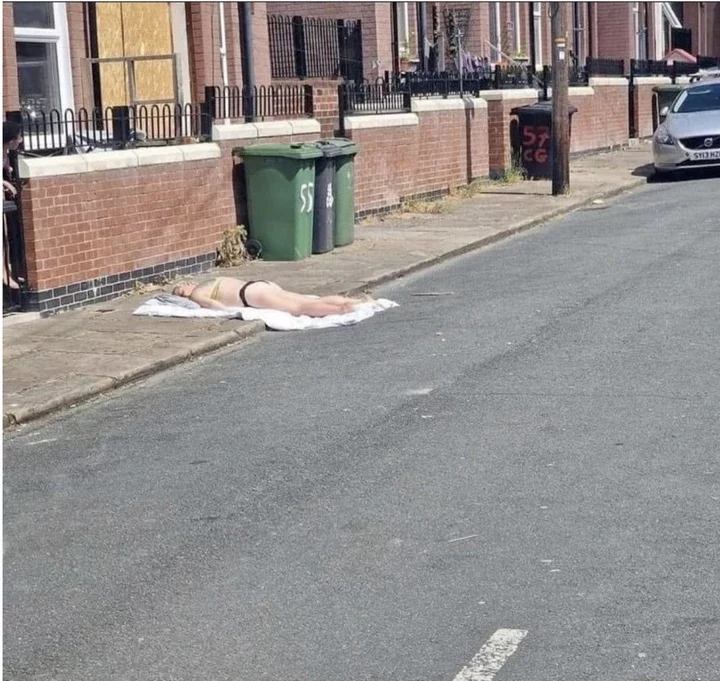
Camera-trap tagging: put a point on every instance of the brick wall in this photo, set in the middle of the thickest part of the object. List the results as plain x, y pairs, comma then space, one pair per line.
204, 46
11, 96
615, 32
602, 120
438, 151
91, 235
644, 103
87, 226
82, 86
261, 46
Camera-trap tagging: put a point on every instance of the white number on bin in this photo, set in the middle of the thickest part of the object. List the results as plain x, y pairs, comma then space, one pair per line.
307, 192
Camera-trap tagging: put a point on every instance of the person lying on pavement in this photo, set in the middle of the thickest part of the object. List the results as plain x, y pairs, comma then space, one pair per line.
227, 292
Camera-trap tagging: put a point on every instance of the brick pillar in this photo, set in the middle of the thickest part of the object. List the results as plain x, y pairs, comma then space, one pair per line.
11, 94
500, 104
325, 107
82, 85
232, 23
261, 44
376, 39
204, 48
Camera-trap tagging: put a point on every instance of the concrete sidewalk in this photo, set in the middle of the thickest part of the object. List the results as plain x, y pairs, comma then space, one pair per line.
59, 361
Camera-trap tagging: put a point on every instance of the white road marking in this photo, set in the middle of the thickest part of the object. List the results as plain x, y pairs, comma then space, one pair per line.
470, 536
42, 442
492, 656
419, 391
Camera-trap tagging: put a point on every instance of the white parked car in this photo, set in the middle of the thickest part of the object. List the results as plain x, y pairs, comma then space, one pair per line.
689, 137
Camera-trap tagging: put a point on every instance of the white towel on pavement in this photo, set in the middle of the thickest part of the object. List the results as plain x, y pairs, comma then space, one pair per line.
174, 306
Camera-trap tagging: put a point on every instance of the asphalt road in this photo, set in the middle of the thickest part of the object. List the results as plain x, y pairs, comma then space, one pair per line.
535, 450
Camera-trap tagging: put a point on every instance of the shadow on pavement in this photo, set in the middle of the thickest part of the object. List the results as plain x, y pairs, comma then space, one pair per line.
682, 175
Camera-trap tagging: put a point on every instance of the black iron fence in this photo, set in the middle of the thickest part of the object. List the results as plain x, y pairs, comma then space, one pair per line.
83, 130
373, 98
651, 67
259, 103
392, 94
302, 47
604, 67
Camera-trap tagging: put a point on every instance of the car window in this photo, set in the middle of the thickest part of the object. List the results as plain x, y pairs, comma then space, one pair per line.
701, 98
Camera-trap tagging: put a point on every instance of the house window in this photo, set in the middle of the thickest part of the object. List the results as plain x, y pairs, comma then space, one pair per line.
43, 57
404, 30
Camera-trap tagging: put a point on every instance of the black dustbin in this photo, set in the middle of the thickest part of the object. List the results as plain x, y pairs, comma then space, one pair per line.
535, 138
324, 222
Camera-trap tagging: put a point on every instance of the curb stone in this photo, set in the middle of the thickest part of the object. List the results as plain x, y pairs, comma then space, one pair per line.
253, 329
107, 383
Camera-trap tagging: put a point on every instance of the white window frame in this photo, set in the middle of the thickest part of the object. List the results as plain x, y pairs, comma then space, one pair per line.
537, 27
403, 30
57, 36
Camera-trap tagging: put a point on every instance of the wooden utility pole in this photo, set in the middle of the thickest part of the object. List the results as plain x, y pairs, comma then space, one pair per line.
560, 115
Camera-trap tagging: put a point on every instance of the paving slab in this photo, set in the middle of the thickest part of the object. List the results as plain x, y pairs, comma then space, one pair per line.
54, 362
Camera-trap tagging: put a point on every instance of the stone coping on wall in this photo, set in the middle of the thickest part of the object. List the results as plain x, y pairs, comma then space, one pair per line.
51, 166
502, 95
449, 104
576, 91
250, 131
652, 80
600, 81
390, 120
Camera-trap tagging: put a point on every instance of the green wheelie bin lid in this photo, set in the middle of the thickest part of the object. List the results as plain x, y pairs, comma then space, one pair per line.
299, 152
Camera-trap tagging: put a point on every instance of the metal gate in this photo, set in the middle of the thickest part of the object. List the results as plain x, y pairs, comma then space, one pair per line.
303, 47
351, 58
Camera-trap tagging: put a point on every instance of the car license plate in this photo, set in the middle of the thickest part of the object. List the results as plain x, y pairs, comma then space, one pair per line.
709, 155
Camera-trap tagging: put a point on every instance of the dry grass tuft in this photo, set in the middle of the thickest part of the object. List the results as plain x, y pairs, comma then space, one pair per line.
231, 250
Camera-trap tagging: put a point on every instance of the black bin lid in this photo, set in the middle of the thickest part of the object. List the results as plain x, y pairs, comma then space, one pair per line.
539, 109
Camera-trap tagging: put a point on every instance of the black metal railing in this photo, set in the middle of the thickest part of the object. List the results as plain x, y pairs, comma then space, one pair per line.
651, 67
445, 84
577, 77
604, 67
83, 130
392, 94
259, 103
705, 62
374, 98
302, 47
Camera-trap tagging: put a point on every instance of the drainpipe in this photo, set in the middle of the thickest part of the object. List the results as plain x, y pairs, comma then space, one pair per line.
422, 34
248, 68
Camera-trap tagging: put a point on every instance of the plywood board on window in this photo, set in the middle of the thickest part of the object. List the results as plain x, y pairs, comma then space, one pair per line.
113, 78
148, 31
135, 29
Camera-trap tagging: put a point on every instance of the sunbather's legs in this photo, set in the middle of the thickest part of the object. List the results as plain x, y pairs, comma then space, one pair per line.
271, 296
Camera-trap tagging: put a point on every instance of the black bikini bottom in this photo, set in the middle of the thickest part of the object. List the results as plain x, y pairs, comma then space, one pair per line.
243, 300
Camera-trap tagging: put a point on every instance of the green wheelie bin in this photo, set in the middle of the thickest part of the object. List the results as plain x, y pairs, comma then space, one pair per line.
344, 190
280, 194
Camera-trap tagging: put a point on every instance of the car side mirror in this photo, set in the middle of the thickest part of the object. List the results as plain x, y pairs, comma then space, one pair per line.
664, 111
